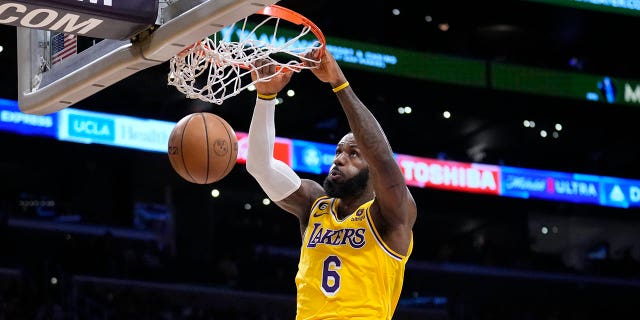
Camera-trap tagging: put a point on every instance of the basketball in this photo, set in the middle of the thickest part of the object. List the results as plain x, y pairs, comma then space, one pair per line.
203, 148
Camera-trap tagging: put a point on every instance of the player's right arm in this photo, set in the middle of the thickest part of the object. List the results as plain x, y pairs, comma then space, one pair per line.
281, 184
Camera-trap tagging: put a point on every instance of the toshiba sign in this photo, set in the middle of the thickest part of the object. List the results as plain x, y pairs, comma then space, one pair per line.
450, 175
105, 19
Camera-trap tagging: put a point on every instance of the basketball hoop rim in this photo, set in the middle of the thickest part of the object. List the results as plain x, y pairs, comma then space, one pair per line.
282, 13
224, 63
293, 17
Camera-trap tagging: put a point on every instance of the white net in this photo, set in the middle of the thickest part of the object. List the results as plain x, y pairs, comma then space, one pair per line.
220, 66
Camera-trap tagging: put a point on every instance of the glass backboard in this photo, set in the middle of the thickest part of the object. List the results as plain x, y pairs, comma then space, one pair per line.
57, 69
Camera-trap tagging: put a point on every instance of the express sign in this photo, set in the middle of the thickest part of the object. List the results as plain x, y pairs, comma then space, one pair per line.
105, 19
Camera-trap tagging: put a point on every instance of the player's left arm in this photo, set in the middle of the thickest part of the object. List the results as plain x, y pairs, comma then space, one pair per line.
394, 209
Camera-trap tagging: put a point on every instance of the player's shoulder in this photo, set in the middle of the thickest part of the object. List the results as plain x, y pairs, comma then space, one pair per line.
302, 201
321, 201
313, 190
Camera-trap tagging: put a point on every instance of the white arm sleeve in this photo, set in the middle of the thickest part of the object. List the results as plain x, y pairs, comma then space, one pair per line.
275, 177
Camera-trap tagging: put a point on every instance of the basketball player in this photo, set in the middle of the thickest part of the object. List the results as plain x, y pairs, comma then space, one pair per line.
357, 226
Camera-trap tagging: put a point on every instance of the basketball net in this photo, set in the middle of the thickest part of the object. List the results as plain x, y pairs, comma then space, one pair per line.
220, 66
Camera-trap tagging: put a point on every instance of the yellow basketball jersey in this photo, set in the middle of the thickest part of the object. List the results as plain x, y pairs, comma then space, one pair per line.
346, 271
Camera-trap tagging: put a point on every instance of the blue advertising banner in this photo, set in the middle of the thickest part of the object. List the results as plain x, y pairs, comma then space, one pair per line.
550, 185
86, 127
116, 130
623, 193
14, 120
312, 157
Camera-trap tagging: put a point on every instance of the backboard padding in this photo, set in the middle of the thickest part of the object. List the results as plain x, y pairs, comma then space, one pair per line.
110, 61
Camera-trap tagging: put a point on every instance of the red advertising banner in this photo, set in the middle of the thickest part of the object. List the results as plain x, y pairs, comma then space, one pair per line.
450, 175
282, 149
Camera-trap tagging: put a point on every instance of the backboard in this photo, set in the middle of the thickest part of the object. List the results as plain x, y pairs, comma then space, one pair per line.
55, 70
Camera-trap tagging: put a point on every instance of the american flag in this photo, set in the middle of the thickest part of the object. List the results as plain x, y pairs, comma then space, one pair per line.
63, 45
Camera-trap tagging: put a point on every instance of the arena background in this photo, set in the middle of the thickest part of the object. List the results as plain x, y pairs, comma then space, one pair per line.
92, 231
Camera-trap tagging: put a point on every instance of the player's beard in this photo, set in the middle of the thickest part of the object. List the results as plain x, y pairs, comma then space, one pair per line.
348, 188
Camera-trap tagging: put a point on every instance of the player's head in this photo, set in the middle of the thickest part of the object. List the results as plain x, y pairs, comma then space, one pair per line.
349, 173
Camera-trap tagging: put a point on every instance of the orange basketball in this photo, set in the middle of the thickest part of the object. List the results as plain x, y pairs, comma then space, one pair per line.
203, 148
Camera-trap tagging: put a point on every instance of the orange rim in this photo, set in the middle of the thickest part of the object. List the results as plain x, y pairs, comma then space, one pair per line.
288, 15
293, 17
